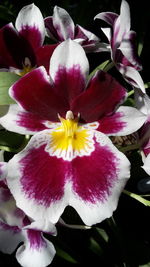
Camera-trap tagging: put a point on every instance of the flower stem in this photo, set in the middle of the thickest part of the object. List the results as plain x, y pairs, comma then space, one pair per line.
137, 197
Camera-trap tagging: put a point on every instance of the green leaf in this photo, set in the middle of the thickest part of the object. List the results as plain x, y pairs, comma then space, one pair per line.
6, 14
63, 254
138, 198
102, 66
10, 141
145, 265
7, 79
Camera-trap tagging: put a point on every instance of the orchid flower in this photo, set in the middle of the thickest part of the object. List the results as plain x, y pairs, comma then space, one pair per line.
21, 47
69, 160
60, 27
16, 228
122, 42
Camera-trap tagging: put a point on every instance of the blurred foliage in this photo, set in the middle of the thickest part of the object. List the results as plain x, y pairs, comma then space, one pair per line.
124, 240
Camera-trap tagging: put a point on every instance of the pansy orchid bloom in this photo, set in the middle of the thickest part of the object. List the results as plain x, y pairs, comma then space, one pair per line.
60, 27
16, 228
21, 47
122, 42
69, 159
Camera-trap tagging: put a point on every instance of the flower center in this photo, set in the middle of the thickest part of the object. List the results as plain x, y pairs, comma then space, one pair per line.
70, 140
26, 67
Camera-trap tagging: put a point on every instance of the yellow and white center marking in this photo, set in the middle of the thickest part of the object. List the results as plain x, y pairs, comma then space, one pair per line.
70, 140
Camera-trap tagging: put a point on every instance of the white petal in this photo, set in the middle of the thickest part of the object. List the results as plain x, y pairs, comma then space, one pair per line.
35, 255
68, 55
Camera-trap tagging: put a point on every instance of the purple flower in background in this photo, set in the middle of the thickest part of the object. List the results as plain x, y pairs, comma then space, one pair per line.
16, 228
122, 43
21, 47
69, 160
60, 27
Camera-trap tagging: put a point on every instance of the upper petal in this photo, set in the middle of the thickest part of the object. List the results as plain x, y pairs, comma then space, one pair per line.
102, 96
30, 25
69, 68
63, 24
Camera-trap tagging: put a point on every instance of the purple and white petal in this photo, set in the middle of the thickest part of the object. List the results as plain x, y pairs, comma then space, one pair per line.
132, 76
108, 17
30, 24
63, 24
121, 122
36, 250
20, 121
128, 49
146, 165
69, 68
43, 192
122, 23
10, 237
85, 34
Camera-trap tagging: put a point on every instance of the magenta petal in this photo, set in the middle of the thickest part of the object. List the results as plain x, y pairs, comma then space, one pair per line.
102, 97
43, 55
36, 95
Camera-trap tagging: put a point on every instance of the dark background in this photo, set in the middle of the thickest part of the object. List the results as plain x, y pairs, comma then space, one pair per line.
128, 243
